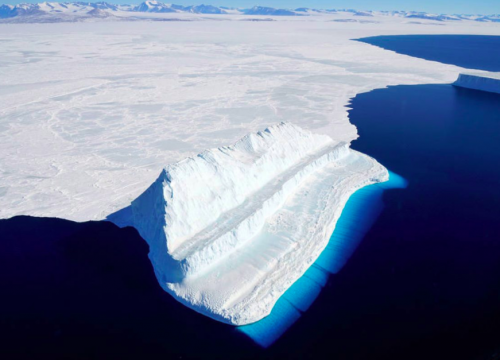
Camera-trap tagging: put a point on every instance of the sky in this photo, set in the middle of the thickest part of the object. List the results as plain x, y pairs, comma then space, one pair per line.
436, 6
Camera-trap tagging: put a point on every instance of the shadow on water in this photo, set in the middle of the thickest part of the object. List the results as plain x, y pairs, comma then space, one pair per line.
87, 290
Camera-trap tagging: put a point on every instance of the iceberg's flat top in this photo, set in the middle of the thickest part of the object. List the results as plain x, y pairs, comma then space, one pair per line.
479, 80
232, 228
482, 74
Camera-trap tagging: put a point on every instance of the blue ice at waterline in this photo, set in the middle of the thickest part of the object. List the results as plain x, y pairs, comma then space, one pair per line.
359, 214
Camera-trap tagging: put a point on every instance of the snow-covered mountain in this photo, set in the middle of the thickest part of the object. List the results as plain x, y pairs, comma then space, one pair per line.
158, 7
261, 10
54, 10
154, 7
76, 11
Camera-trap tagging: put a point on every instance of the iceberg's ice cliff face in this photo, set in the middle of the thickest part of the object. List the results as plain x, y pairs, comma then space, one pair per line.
232, 228
489, 82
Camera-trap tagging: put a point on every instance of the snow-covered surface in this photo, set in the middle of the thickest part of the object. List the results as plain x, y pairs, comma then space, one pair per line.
91, 112
232, 228
484, 81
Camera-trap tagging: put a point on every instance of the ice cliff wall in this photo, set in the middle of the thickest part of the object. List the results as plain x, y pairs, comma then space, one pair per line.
489, 82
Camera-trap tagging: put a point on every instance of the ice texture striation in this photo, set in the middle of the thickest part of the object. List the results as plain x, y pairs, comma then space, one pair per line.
231, 229
484, 81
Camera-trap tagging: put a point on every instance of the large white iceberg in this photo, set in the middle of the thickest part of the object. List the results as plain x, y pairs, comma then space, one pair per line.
231, 229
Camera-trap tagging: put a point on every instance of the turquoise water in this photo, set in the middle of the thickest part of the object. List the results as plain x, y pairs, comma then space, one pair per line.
359, 214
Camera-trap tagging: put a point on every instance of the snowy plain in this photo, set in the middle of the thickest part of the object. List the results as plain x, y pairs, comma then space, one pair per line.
91, 112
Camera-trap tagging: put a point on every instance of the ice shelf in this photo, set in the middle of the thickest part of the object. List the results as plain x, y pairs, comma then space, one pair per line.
231, 229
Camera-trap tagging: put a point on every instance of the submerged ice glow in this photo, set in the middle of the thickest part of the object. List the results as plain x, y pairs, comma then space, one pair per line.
358, 215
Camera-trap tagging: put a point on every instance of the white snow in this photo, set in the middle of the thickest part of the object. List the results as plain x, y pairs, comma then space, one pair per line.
484, 81
232, 228
91, 112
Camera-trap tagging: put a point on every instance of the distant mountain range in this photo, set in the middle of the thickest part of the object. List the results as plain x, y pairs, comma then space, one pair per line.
78, 11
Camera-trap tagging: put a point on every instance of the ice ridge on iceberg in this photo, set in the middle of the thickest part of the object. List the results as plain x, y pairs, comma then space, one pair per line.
231, 229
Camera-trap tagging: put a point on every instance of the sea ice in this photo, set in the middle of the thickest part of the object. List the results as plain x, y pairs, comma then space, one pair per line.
90, 112
231, 229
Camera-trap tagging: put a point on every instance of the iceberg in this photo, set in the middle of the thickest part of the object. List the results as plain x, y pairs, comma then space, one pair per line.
484, 81
230, 230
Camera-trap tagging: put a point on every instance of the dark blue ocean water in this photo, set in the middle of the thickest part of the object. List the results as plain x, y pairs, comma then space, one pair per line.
468, 51
438, 241
423, 284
